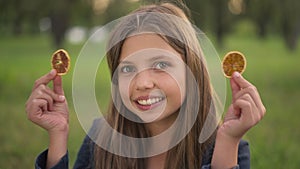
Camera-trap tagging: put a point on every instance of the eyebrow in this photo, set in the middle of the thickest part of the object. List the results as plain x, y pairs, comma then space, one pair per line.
152, 59
159, 57
125, 62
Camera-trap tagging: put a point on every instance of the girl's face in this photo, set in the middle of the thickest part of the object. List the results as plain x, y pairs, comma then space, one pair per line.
151, 76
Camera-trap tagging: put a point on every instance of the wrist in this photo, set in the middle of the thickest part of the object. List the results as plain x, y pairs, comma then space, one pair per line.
58, 140
227, 139
57, 147
58, 134
61, 129
225, 152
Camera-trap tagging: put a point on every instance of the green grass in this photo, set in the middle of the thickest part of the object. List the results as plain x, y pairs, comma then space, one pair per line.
271, 67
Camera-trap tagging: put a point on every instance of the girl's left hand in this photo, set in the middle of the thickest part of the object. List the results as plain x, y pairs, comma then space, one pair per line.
245, 111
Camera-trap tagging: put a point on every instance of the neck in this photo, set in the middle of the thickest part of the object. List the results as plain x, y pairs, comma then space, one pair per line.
156, 162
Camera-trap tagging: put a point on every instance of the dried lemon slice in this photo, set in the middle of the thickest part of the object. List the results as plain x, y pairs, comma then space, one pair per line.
233, 61
61, 61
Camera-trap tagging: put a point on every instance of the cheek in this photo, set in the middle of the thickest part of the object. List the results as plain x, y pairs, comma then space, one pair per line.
180, 92
182, 87
177, 86
124, 90
175, 89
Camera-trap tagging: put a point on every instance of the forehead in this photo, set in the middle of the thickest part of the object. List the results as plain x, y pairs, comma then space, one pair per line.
140, 42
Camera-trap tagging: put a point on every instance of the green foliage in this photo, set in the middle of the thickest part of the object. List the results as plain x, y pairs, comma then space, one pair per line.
271, 67
278, 16
268, 16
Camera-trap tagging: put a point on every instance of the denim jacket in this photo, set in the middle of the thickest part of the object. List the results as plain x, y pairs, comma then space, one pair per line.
85, 157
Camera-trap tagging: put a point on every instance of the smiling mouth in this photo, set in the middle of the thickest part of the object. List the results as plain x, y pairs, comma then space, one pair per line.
148, 103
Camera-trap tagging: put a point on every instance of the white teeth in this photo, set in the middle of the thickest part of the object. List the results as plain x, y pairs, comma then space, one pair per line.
143, 102
149, 101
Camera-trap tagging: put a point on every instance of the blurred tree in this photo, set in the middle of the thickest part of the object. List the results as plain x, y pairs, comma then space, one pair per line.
119, 8
17, 22
212, 16
82, 13
290, 22
276, 15
16, 13
216, 16
222, 19
23, 16
261, 13
59, 14
199, 12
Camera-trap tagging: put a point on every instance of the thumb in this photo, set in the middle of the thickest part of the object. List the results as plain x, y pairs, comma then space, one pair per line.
240, 80
57, 85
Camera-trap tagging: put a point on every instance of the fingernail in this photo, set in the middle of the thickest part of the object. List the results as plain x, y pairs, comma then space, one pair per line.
236, 74
62, 98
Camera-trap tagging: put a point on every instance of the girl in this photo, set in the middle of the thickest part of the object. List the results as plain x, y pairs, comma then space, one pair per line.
159, 79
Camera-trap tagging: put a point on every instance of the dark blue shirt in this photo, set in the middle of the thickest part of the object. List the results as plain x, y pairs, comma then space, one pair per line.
85, 157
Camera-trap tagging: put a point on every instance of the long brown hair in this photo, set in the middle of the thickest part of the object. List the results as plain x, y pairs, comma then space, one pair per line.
188, 153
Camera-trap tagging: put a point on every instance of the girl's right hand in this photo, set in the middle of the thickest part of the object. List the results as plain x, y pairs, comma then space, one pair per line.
48, 107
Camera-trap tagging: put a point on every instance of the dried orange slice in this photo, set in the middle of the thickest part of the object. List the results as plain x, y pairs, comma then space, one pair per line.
233, 61
61, 61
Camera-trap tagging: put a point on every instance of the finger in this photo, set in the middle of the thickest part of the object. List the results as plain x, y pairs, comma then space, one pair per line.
231, 113
48, 99
57, 85
240, 80
253, 93
245, 107
249, 109
37, 105
39, 93
44, 92
45, 79
54, 96
234, 89
35, 109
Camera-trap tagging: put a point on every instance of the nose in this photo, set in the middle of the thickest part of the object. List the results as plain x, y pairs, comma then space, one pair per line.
144, 80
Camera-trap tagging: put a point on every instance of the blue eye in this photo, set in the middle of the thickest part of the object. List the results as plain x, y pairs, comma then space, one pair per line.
161, 65
127, 69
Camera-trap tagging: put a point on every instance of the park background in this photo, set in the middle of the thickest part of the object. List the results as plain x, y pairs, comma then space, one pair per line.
266, 31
